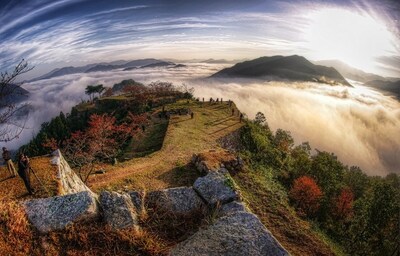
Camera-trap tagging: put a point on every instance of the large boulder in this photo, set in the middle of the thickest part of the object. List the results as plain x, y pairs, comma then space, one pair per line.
216, 187
118, 210
181, 200
55, 213
232, 207
240, 233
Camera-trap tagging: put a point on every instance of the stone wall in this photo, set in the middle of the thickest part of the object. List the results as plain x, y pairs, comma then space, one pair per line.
68, 180
235, 230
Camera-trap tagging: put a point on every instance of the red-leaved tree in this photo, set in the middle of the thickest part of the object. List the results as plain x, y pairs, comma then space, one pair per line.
100, 142
306, 195
137, 120
343, 204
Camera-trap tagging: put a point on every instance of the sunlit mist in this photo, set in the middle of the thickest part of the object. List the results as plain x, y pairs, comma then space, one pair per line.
357, 123
353, 37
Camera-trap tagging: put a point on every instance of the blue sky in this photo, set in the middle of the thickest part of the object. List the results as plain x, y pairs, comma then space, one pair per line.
60, 33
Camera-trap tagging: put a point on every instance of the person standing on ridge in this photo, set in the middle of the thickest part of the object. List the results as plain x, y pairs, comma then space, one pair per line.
23, 171
9, 162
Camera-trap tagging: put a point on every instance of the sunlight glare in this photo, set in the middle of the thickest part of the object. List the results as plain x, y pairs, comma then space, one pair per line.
348, 36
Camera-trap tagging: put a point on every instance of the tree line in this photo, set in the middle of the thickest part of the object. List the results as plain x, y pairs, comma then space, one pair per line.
359, 212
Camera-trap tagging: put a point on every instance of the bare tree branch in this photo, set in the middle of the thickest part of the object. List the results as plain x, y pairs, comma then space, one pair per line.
12, 116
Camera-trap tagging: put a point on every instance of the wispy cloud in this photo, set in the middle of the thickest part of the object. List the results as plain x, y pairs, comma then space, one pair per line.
120, 10
29, 12
106, 32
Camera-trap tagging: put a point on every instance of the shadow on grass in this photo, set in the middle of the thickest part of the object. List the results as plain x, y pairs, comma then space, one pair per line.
220, 121
181, 175
151, 142
226, 127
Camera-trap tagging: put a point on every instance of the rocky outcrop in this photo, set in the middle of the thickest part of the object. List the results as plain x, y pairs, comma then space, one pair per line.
118, 210
236, 231
57, 212
69, 182
138, 201
240, 233
232, 207
234, 166
215, 159
231, 141
200, 164
216, 187
181, 201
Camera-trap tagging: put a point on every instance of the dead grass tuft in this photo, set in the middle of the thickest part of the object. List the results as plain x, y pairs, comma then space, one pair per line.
15, 232
173, 228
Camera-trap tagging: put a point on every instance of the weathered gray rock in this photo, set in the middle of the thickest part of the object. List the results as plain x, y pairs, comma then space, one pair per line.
118, 210
182, 200
68, 181
55, 213
240, 233
137, 200
232, 207
216, 187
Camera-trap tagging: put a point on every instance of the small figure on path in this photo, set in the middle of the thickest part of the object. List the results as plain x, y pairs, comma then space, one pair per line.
23, 172
9, 162
191, 115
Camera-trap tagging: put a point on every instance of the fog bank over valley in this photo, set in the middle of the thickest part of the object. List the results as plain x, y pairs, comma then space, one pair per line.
358, 124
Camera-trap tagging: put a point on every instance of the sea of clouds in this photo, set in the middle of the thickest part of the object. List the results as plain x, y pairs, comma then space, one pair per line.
358, 124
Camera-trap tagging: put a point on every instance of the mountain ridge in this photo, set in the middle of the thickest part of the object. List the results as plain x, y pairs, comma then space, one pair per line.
388, 87
352, 72
98, 67
292, 67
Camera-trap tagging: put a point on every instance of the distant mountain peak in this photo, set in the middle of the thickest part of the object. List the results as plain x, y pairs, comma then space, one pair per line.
293, 67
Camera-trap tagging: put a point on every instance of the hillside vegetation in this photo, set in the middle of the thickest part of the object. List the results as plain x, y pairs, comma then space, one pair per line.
312, 203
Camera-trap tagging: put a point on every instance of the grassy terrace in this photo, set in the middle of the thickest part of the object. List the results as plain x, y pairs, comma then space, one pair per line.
169, 167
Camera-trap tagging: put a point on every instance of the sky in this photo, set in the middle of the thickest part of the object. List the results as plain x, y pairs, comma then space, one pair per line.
56, 33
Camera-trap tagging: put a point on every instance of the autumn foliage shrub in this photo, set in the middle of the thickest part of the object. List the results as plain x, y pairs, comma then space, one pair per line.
343, 205
306, 195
